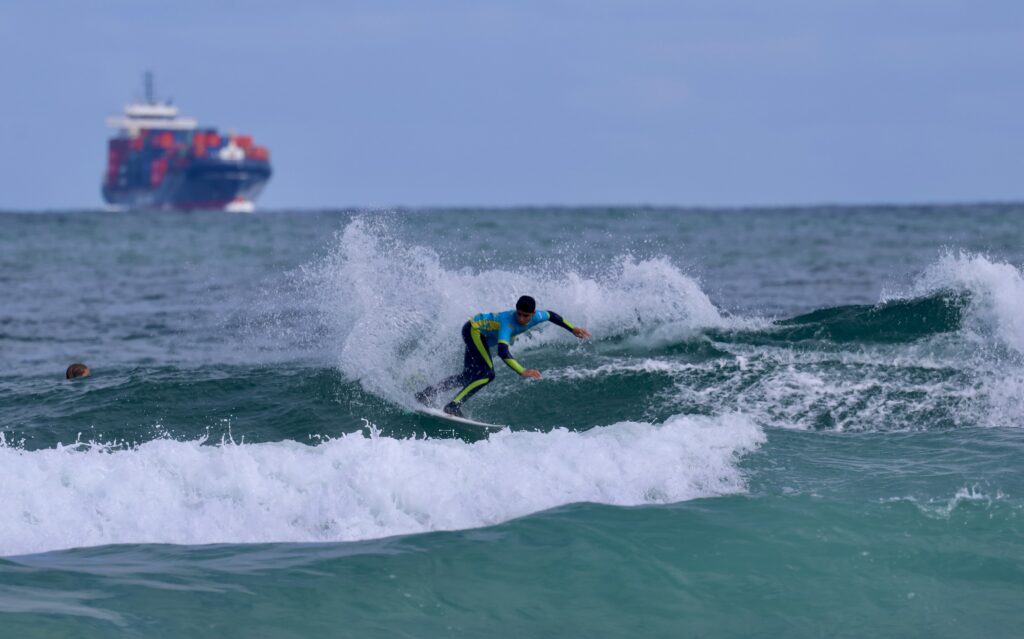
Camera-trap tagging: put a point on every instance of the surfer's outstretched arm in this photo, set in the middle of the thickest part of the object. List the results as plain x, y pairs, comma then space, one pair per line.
558, 320
506, 355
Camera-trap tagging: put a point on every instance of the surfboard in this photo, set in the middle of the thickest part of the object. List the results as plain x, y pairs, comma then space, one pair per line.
440, 414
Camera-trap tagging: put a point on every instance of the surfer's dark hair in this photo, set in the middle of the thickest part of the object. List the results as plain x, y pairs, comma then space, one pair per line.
76, 370
526, 304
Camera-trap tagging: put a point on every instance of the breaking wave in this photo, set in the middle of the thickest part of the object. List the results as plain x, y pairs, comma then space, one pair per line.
358, 486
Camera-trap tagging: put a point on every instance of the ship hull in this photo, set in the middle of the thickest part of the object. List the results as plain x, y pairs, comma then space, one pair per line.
201, 184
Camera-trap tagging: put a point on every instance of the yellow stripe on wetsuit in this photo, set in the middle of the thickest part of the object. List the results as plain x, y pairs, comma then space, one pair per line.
474, 333
470, 388
513, 364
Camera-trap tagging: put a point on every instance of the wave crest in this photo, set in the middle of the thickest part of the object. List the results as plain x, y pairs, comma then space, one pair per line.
995, 289
356, 486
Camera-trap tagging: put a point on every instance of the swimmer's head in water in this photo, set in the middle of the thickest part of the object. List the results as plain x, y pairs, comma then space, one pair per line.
76, 370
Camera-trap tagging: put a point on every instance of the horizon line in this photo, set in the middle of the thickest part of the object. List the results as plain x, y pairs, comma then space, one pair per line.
548, 206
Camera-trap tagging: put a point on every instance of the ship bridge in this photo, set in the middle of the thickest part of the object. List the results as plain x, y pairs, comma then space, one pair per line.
150, 114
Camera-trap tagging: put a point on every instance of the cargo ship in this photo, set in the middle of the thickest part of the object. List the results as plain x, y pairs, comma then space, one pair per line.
160, 160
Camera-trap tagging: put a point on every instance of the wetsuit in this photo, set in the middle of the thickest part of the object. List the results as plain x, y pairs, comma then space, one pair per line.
480, 333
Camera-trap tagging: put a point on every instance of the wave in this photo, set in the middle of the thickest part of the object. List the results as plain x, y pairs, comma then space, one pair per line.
895, 321
138, 404
356, 486
996, 290
394, 310
945, 353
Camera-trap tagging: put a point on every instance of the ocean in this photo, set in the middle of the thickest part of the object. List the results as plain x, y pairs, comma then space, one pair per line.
799, 422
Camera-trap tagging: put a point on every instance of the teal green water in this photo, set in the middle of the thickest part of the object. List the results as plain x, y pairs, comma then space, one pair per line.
797, 421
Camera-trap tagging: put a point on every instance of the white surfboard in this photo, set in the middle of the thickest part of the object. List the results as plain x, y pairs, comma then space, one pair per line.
440, 414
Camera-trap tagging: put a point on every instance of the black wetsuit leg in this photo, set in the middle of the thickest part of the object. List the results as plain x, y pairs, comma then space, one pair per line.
477, 370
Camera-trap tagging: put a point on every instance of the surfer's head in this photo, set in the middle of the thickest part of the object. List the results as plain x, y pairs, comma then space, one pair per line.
525, 308
76, 370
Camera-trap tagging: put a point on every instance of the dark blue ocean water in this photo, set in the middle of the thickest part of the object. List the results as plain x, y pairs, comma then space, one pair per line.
799, 422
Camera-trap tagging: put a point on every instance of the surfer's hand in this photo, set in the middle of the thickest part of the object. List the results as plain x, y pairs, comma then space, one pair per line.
531, 373
581, 333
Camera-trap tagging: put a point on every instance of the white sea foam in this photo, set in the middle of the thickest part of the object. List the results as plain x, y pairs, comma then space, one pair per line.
973, 376
354, 487
944, 508
395, 310
993, 329
624, 366
996, 306
871, 388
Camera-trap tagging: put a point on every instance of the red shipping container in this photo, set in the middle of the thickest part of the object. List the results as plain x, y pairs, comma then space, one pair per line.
244, 141
157, 171
212, 139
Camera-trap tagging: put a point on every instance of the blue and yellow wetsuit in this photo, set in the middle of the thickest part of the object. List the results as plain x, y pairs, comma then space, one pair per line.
480, 333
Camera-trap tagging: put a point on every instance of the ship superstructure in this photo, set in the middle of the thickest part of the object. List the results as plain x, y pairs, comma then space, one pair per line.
161, 160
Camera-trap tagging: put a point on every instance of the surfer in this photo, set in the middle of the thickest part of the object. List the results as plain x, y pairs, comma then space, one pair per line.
479, 334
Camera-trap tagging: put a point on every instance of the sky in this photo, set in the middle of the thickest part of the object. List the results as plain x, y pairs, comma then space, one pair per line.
450, 103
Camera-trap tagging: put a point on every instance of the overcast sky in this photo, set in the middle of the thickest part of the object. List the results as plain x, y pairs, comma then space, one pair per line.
418, 103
